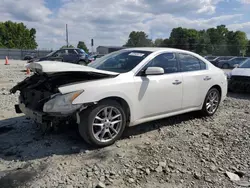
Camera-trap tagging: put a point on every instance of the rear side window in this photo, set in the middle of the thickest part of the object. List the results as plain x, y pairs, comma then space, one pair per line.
190, 63
72, 51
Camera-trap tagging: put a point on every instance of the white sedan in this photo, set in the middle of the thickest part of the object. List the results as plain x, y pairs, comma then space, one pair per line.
124, 88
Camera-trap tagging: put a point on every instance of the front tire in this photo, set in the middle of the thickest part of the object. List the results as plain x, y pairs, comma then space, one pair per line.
211, 102
103, 124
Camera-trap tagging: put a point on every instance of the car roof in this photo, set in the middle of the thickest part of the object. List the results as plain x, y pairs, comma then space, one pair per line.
155, 49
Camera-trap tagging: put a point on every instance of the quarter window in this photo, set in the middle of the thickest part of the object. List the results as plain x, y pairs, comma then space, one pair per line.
190, 63
167, 61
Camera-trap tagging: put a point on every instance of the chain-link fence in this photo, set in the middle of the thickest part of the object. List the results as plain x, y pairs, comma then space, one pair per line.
19, 54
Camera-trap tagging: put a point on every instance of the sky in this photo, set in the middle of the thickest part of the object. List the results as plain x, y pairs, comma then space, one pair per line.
109, 22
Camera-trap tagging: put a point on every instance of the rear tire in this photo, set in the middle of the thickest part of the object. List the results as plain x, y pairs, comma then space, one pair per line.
211, 102
100, 126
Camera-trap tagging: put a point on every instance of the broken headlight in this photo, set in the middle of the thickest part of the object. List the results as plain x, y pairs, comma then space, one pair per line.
62, 103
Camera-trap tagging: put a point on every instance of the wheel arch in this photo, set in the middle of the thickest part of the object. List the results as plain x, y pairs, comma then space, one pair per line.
123, 103
218, 88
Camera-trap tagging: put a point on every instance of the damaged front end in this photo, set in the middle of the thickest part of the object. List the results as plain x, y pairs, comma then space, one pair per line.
239, 83
41, 100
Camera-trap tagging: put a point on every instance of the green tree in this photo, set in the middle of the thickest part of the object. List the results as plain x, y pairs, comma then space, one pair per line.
218, 38
82, 45
65, 46
237, 42
248, 49
17, 35
203, 46
158, 42
183, 38
138, 39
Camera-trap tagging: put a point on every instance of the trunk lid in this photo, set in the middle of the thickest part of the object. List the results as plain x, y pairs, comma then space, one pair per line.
56, 67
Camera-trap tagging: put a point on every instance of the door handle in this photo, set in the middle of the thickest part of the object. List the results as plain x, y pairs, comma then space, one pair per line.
207, 78
177, 82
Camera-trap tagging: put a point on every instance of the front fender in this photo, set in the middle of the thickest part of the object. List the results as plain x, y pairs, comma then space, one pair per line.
98, 96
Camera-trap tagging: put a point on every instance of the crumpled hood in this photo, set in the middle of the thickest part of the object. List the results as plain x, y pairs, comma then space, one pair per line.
56, 66
240, 72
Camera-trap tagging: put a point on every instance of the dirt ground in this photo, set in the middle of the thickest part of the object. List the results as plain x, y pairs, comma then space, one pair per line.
181, 151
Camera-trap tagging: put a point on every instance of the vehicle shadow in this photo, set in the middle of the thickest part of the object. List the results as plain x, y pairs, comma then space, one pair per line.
20, 138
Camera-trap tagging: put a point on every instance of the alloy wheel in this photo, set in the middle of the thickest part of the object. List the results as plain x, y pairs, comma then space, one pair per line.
107, 124
212, 101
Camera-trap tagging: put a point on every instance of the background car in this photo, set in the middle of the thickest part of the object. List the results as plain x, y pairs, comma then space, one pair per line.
220, 58
239, 77
121, 89
70, 55
229, 64
29, 56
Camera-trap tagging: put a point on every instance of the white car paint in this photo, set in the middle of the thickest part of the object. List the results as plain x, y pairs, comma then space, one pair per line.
151, 97
240, 72
55, 66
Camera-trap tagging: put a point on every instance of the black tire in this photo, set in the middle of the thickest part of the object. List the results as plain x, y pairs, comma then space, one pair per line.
204, 110
87, 117
225, 66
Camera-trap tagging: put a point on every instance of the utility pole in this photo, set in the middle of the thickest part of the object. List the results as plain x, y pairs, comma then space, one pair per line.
67, 37
92, 45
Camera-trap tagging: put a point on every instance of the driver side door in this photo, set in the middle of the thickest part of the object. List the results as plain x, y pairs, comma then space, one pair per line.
159, 94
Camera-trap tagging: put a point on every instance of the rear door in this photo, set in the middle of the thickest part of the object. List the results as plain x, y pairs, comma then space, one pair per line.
196, 80
71, 56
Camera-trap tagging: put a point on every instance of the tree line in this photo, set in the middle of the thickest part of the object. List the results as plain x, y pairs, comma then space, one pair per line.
17, 35
214, 41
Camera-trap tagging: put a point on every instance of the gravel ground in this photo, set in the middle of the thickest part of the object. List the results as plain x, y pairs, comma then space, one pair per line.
181, 151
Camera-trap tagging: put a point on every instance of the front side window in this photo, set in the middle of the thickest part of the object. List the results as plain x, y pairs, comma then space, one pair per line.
120, 61
190, 63
167, 61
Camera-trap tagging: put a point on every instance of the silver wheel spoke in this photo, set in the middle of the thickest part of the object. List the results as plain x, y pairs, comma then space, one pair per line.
115, 117
98, 133
100, 119
98, 124
115, 122
110, 113
109, 133
113, 129
102, 134
106, 112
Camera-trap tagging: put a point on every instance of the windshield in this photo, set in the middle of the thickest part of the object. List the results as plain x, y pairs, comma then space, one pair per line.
245, 64
120, 61
81, 51
50, 53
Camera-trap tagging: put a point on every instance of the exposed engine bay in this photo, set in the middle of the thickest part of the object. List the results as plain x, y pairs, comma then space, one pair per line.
41, 88
38, 89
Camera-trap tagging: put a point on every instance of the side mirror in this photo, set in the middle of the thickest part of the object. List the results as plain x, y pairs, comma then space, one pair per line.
236, 65
154, 71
